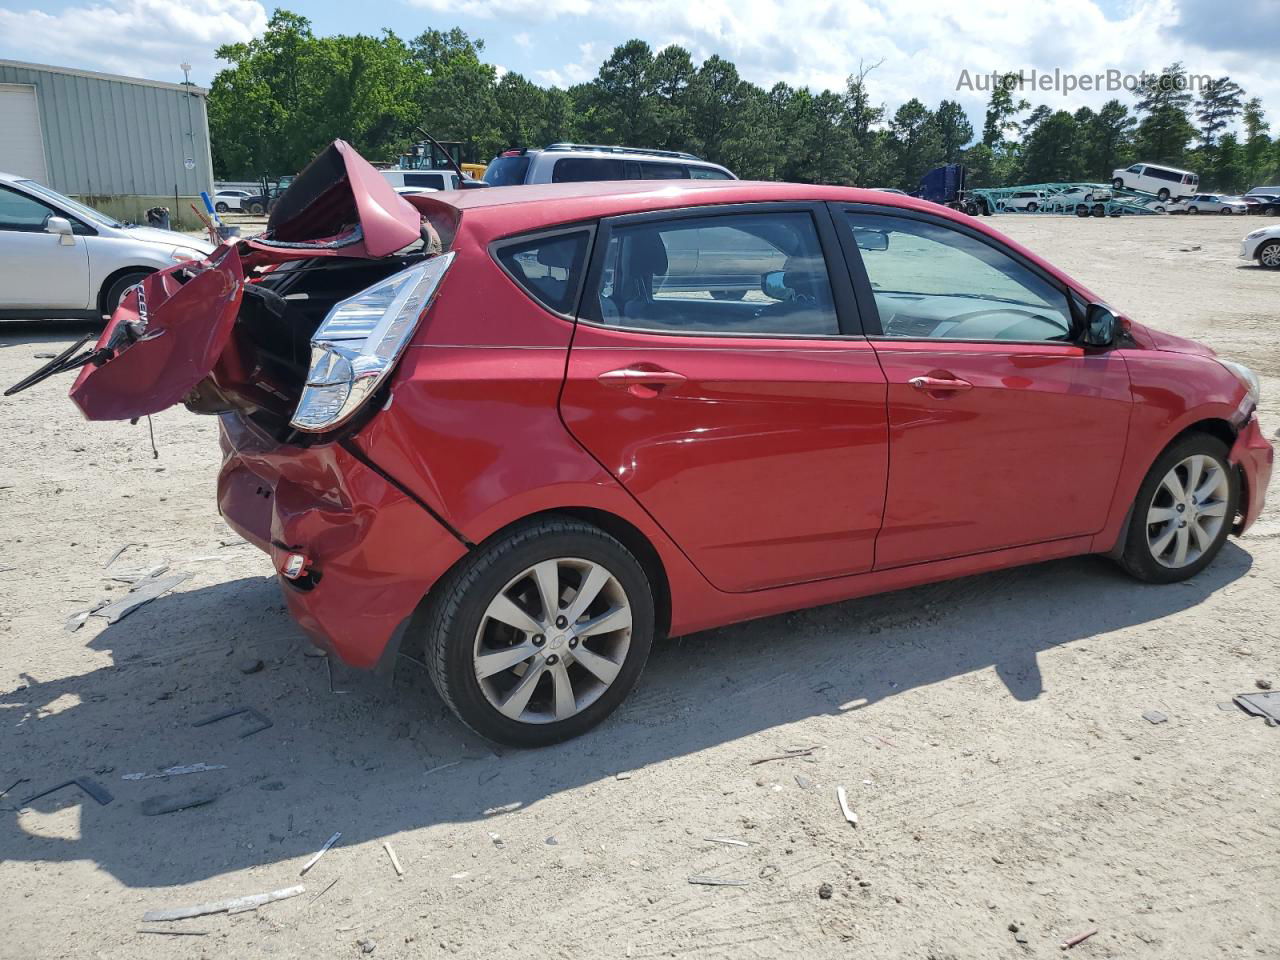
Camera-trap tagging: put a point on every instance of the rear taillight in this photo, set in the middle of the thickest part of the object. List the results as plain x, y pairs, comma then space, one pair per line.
357, 345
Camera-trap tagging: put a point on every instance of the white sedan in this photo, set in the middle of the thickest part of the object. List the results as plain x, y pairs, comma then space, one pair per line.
1264, 246
61, 259
1209, 203
225, 200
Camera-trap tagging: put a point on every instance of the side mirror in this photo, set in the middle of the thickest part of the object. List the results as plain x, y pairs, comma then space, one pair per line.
773, 287
1100, 326
60, 226
868, 239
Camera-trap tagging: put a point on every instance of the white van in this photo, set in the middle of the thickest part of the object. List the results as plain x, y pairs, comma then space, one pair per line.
1164, 182
429, 179
577, 162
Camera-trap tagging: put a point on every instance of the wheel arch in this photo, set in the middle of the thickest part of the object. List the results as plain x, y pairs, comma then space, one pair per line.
115, 275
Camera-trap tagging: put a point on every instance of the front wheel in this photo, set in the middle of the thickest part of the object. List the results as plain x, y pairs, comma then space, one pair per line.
1183, 512
1118, 183
1193, 210
541, 633
1226, 211
1269, 255
220, 207
1163, 194
113, 294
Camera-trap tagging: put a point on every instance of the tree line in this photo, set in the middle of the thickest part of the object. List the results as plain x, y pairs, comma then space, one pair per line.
288, 92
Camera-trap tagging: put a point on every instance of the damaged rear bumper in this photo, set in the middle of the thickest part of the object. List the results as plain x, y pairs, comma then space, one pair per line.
1254, 455
372, 551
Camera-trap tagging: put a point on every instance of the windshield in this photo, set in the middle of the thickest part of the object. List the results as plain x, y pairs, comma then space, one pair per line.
79, 209
507, 171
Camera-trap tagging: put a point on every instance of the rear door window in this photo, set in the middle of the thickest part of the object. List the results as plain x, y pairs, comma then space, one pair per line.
507, 171
726, 274
434, 180
663, 171
708, 173
549, 267
583, 169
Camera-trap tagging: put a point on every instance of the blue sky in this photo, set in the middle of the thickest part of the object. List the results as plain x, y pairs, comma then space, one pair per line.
924, 45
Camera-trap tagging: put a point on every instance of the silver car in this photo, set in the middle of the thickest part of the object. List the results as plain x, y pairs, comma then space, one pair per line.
578, 162
1209, 203
60, 258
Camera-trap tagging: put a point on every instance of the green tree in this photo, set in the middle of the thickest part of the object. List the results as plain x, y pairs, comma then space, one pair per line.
1257, 143
671, 74
915, 143
1002, 107
1050, 151
1165, 130
1220, 103
954, 130
1109, 138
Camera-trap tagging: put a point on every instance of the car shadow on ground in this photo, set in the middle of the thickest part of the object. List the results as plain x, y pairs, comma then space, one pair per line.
22, 333
372, 760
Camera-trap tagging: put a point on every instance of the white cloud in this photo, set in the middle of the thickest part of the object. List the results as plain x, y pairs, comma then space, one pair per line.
141, 38
523, 40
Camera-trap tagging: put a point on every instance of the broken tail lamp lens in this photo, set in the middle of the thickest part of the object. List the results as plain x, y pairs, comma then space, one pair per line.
357, 345
295, 566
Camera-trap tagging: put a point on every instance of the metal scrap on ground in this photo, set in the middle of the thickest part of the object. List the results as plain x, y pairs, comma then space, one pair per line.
395, 861
234, 905
92, 788
844, 806
143, 592
176, 771
717, 882
173, 802
319, 853
262, 722
784, 756
1265, 705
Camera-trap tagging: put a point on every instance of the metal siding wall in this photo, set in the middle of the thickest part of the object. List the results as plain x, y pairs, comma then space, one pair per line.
116, 138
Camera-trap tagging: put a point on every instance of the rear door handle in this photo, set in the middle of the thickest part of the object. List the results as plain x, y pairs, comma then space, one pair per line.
940, 385
641, 381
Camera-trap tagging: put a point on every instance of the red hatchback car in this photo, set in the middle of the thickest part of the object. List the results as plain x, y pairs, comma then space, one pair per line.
524, 431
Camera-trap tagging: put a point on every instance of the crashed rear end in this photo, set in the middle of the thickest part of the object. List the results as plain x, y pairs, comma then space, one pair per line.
292, 339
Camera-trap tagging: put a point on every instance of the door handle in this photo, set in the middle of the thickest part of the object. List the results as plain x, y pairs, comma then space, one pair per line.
640, 381
940, 385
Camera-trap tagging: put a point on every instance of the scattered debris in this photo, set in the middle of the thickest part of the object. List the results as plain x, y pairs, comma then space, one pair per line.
729, 840
505, 808
319, 853
623, 775
1265, 705
803, 782
43, 356
825, 891
769, 870
116, 556
844, 806
251, 666
81, 617
497, 840
1262, 684
1190, 249
1019, 936
262, 722
5, 791
172, 803
882, 740
137, 576
328, 665
804, 752
176, 933
395, 862
91, 787
366, 946
717, 882
143, 592
443, 766
324, 891
552, 842
1078, 939
1155, 716
234, 905
176, 771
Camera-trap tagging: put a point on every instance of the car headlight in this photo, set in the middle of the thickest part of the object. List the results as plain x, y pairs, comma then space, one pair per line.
1246, 377
358, 343
1255, 234
183, 254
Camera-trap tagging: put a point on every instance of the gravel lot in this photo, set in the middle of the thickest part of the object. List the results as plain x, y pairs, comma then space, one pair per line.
989, 732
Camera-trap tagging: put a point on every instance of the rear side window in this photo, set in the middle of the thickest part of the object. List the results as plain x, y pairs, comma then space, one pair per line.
582, 169
549, 267
435, 180
506, 171
663, 171
708, 173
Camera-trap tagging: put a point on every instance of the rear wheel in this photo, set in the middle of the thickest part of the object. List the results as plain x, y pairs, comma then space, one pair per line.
220, 207
1032, 207
1193, 210
540, 634
1270, 211
1183, 512
1082, 210
1269, 255
114, 293
1099, 210
1163, 194
1118, 183
1226, 211
256, 209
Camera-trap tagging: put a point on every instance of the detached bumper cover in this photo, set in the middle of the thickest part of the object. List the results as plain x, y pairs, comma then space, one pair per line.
1253, 453
372, 551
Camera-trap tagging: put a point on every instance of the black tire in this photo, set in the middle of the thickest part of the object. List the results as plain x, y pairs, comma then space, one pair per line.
1082, 210
221, 207
455, 612
1099, 210
1193, 211
1163, 194
1118, 183
1270, 211
114, 292
1269, 249
1136, 557
1032, 207
728, 294
255, 209
1226, 211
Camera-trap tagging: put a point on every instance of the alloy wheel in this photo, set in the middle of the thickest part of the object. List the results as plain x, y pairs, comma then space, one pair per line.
552, 640
1187, 511
1269, 255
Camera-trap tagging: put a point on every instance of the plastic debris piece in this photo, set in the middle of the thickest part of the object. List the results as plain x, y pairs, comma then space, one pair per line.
1155, 716
729, 840
176, 771
505, 808
1078, 939
806, 751
234, 905
395, 862
319, 853
844, 806
172, 803
717, 882
143, 592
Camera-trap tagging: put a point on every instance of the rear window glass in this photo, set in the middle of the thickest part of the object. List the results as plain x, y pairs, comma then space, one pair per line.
506, 171
581, 169
549, 268
435, 180
708, 173
663, 171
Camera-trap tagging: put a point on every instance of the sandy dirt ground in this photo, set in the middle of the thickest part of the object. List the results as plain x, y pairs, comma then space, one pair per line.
989, 732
